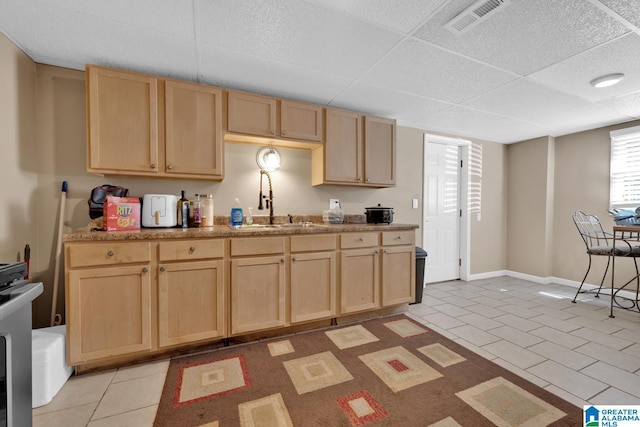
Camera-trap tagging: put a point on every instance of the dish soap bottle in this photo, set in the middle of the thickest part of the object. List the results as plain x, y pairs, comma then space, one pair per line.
236, 215
183, 211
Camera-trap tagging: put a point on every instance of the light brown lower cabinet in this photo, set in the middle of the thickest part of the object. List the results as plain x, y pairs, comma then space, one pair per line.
108, 312
398, 275
313, 280
190, 302
257, 294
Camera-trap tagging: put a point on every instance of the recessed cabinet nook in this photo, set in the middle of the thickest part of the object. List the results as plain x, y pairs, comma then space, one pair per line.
128, 300
143, 125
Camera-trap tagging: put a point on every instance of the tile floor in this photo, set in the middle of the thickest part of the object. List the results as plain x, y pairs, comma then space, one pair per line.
573, 350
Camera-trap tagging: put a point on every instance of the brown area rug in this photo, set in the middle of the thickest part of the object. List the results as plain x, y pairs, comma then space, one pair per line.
390, 371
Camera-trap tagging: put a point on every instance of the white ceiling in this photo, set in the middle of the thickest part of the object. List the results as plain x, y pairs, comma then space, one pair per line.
522, 73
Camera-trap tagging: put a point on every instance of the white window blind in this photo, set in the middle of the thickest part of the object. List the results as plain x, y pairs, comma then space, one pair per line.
624, 191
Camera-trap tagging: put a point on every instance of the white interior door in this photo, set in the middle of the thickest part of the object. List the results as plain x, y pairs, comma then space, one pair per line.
442, 211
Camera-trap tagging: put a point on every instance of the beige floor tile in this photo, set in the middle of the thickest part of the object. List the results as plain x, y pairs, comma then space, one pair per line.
567, 379
519, 311
569, 358
516, 336
520, 372
77, 391
518, 356
128, 395
623, 380
452, 310
633, 350
491, 302
596, 324
77, 416
458, 301
566, 396
141, 370
561, 325
474, 335
613, 396
142, 417
484, 310
558, 337
622, 359
443, 320
605, 339
525, 325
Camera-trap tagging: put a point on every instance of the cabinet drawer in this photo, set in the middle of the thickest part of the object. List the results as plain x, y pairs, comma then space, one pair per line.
358, 240
313, 243
190, 249
257, 246
392, 238
84, 255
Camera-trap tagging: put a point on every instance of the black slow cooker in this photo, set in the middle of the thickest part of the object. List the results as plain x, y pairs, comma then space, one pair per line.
379, 215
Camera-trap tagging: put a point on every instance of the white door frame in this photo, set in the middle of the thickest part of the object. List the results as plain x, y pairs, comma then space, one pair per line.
465, 241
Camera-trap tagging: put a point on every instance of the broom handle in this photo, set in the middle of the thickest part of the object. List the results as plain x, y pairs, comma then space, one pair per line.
56, 319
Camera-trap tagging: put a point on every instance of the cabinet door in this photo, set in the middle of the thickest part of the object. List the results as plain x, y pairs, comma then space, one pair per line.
301, 121
258, 298
251, 114
380, 151
122, 122
193, 143
359, 280
398, 275
343, 147
109, 312
190, 302
313, 286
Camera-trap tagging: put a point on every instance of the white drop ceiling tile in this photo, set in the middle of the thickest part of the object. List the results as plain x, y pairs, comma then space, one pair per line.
423, 69
628, 9
54, 31
574, 74
472, 123
524, 99
294, 32
387, 102
385, 12
173, 17
526, 35
229, 69
583, 118
628, 105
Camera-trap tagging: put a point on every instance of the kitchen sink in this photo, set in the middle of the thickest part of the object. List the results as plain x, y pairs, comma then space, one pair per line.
279, 226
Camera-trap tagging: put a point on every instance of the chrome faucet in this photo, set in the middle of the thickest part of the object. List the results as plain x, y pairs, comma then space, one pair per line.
268, 200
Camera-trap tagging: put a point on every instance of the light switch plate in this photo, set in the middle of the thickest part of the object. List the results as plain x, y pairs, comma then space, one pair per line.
414, 203
334, 203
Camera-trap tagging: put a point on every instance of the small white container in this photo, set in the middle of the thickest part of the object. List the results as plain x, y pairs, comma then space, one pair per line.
49, 367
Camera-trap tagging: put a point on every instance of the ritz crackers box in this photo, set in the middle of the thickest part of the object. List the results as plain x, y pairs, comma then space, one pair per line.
121, 213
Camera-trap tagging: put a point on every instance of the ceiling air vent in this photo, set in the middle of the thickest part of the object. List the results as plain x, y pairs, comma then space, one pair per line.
474, 14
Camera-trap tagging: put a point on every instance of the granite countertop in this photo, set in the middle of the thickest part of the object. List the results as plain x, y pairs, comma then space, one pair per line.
221, 229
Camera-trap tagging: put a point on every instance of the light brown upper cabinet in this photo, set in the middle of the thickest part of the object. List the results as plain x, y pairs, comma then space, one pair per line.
253, 116
145, 126
358, 150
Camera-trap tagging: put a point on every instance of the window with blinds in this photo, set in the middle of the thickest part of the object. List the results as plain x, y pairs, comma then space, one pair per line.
624, 190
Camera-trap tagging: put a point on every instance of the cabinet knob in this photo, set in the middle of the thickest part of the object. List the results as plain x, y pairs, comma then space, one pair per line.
110, 253
169, 167
192, 249
293, 259
399, 238
162, 269
281, 260
368, 180
273, 132
359, 179
145, 270
152, 166
361, 240
283, 132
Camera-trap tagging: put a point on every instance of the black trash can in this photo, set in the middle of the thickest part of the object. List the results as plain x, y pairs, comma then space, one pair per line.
421, 254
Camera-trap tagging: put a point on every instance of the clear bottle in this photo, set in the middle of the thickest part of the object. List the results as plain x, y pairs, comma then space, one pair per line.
183, 211
207, 210
235, 219
249, 218
197, 211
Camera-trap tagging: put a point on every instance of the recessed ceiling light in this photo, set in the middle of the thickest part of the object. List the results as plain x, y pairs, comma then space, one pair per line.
608, 80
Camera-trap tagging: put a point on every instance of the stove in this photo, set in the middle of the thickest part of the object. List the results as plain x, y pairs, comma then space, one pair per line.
12, 272
16, 296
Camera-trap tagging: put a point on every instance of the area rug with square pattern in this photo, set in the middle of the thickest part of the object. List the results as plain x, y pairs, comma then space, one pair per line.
390, 371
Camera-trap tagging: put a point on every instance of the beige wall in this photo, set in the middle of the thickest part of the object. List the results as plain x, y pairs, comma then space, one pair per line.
19, 161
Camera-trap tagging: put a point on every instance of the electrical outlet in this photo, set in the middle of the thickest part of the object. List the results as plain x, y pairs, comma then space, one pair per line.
334, 203
414, 203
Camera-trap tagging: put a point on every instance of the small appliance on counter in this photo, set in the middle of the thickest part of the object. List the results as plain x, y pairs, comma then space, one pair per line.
159, 210
379, 215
